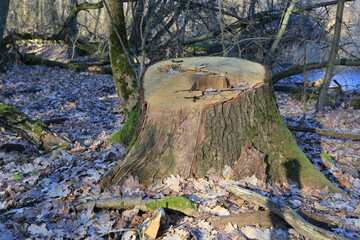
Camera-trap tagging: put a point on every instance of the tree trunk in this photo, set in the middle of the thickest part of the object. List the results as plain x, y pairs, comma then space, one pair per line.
3, 15
33, 131
333, 52
71, 18
281, 32
124, 76
202, 114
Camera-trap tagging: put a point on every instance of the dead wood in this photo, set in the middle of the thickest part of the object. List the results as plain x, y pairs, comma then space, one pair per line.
285, 212
55, 120
284, 88
325, 132
33, 131
326, 219
10, 147
9, 93
95, 67
267, 219
311, 66
253, 218
176, 203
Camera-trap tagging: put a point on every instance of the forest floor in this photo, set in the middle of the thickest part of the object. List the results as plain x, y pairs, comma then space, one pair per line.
38, 192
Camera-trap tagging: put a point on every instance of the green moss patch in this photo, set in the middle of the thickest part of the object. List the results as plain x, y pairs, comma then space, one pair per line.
127, 134
176, 203
4, 108
206, 47
326, 157
356, 104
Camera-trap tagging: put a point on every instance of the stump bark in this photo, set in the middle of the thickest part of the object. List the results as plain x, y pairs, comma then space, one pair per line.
199, 113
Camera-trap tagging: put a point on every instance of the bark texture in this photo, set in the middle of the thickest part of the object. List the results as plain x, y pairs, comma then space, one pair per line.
124, 76
189, 128
3, 15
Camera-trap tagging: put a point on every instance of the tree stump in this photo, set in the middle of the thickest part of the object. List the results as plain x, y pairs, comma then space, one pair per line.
199, 113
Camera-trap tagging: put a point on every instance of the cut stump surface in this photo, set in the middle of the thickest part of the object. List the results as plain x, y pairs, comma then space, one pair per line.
198, 115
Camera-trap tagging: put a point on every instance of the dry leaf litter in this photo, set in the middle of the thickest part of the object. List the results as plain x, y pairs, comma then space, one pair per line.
38, 192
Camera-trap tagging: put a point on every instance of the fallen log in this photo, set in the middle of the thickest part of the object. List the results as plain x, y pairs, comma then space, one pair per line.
284, 88
330, 220
35, 132
269, 219
285, 212
325, 132
95, 67
310, 66
9, 93
253, 218
176, 203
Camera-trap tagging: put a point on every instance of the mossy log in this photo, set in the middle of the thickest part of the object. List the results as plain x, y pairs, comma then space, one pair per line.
199, 115
176, 203
33, 131
95, 67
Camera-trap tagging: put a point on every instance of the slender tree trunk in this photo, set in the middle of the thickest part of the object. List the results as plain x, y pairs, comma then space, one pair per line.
72, 36
333, 52
3, 15
124, 75
281, 32
136, 26
76, 8
126, 81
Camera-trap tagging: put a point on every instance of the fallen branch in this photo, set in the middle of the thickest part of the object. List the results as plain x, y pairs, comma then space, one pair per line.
311, 66
325, 132
253, 218
269, 219
285, 212
9, 93
176, 203
33, 131
284, 88
58, 120
328, 219
31, 59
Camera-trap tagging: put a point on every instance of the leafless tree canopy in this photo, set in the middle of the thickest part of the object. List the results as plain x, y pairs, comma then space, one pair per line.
245, 28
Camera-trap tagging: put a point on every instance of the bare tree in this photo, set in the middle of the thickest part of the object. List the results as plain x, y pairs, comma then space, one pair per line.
3, 15
333, 52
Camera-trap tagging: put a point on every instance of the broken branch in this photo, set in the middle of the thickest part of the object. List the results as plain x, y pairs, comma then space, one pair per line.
325, 132
176, 203
285, 212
